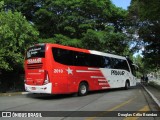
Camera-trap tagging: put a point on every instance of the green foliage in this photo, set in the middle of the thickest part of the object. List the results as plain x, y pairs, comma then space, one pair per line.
138, 60
91, 24
61, 39
92, 40
15, 35
71, 18
143, 67
108, 41
64, 40
1, 4
145, 17
149, 10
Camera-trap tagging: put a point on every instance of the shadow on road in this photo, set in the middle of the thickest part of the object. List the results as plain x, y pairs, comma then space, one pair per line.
65, 96
48, 96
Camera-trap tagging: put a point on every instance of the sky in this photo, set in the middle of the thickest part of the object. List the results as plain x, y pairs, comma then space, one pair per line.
121, 3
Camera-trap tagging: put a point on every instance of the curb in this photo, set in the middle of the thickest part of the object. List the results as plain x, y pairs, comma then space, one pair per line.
152, 96
13, 93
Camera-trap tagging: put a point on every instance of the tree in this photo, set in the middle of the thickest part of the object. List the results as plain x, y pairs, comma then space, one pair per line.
71, 18
77, 23
61, 39
107, 41
146, 16
16, 33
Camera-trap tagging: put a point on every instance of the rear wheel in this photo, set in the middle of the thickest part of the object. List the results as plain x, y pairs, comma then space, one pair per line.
83, 89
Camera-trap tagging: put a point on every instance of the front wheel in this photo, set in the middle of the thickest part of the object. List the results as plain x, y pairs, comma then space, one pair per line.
126, 85
83, 89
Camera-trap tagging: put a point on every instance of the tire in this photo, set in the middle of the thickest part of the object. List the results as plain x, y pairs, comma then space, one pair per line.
83, 89
126, 85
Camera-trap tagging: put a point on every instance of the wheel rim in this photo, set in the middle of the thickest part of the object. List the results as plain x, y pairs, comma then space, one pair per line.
83, 89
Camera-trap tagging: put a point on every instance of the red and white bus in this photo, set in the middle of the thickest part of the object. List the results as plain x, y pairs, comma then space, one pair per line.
58, 69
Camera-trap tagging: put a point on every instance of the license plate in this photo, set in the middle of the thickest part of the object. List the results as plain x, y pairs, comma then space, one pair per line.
33, 88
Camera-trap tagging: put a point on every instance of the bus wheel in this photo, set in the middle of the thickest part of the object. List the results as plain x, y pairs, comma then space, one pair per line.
83, 89
126, 85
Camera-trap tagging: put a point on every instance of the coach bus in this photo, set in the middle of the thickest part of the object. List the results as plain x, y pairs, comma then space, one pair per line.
58, 69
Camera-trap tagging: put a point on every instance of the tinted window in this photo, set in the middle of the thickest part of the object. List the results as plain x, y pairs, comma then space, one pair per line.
119, 64
63, 56
125, 65
96, 61
107, 62
81, 59
69, 57
133, 70
36, 51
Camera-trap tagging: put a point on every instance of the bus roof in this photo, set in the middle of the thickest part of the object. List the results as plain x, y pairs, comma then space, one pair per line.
107, 54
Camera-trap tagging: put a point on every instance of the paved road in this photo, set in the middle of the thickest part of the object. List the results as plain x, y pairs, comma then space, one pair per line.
106, 102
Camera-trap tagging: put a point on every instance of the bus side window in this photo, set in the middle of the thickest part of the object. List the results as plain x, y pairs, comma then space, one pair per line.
133, 69
125, 65
107, 62
80, 59
96, 61
115, 63
119, 64
63, 56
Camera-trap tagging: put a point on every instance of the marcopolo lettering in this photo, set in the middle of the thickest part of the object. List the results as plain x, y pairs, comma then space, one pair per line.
115, 72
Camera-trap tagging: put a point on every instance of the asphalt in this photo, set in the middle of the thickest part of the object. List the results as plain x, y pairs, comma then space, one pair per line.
153, 92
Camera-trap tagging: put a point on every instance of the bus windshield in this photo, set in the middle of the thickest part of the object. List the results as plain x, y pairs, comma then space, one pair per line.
133, 69
36, 51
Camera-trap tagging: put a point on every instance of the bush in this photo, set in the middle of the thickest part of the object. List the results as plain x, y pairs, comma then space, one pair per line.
154, 84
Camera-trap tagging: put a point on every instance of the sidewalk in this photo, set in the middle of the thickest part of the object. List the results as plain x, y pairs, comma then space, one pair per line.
154, 93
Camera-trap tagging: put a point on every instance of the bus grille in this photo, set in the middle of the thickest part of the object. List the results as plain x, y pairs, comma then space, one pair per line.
34, 66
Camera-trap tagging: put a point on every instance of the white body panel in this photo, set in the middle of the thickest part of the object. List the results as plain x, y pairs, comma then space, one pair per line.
116, 80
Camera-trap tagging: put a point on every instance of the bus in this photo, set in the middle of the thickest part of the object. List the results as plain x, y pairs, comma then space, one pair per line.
58, 69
